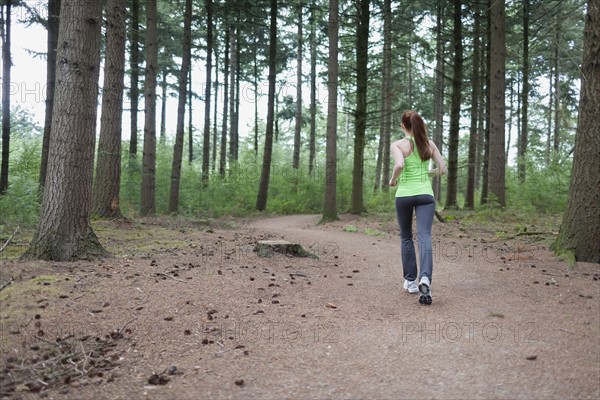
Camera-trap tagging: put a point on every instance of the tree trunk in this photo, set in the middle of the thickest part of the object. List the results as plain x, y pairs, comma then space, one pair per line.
438, 105
6, 66
383, 154
362, 53
190, 118
312, 148
223, 155
486, 144
557, 113
105, 202
497, 162
455, 108
255, 85
238, 80
298, 124
263, 189
215, 108
482, 111
549, 126
134, 62
148, 206
163, 107
524, 135
207, 93
474, 134
64, 231
232, 86
53, 18
186, 58
580, 229
329, 204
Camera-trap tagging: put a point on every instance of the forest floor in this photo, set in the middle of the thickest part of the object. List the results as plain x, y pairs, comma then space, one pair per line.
186, 310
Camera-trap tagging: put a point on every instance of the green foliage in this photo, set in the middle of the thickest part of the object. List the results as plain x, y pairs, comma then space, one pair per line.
544, 189
350, 228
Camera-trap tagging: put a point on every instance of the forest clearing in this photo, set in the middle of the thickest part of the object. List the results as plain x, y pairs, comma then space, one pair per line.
195, 306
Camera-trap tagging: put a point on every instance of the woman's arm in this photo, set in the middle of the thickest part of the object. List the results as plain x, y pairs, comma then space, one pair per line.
399, 162
439, 160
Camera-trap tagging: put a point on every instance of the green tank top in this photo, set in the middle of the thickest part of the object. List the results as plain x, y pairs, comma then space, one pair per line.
414, 179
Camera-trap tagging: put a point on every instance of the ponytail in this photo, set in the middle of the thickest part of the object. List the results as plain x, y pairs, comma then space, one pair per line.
414, 122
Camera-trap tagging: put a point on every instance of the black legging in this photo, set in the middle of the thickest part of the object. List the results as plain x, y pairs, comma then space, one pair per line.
424, 205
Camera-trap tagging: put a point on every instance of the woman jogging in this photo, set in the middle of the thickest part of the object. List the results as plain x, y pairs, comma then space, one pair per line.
412, 156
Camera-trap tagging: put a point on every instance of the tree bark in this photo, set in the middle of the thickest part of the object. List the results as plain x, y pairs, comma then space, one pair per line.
107, 184
148, 206
215, 108
330, 197
312, 148
134, 62
64, 231
163, 107
524, 135
475, 86
53, 21
486, 144
455, 108
263, 189
186, 59
362, 53
226, 54
190, 118
207, 93
6, 81
579, 232
557, 95
298, 124
383, 154
232, 87
497, 161
438, 105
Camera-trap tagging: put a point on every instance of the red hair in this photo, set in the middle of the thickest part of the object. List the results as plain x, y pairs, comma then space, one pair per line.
413, 122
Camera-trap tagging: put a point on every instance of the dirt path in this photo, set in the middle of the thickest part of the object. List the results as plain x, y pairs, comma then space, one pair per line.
508, 321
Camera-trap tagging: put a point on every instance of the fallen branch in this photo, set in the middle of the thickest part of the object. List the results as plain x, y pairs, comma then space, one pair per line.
9, 239
7, 283
536, 233
172, 277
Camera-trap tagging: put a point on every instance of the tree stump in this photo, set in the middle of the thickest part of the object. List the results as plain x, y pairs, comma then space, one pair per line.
266, 248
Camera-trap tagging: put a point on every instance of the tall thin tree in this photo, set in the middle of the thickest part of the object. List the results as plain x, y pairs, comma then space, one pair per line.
330, 199
207, 92
6, 82
64, 231
263, 189
475, 97
183, 84
298, 115
226, 55
312, 147
386, 128
497, 163
360, 124
524, 135
451, 193
105, 200
134, 66
53, 21
438, 104
148, 198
